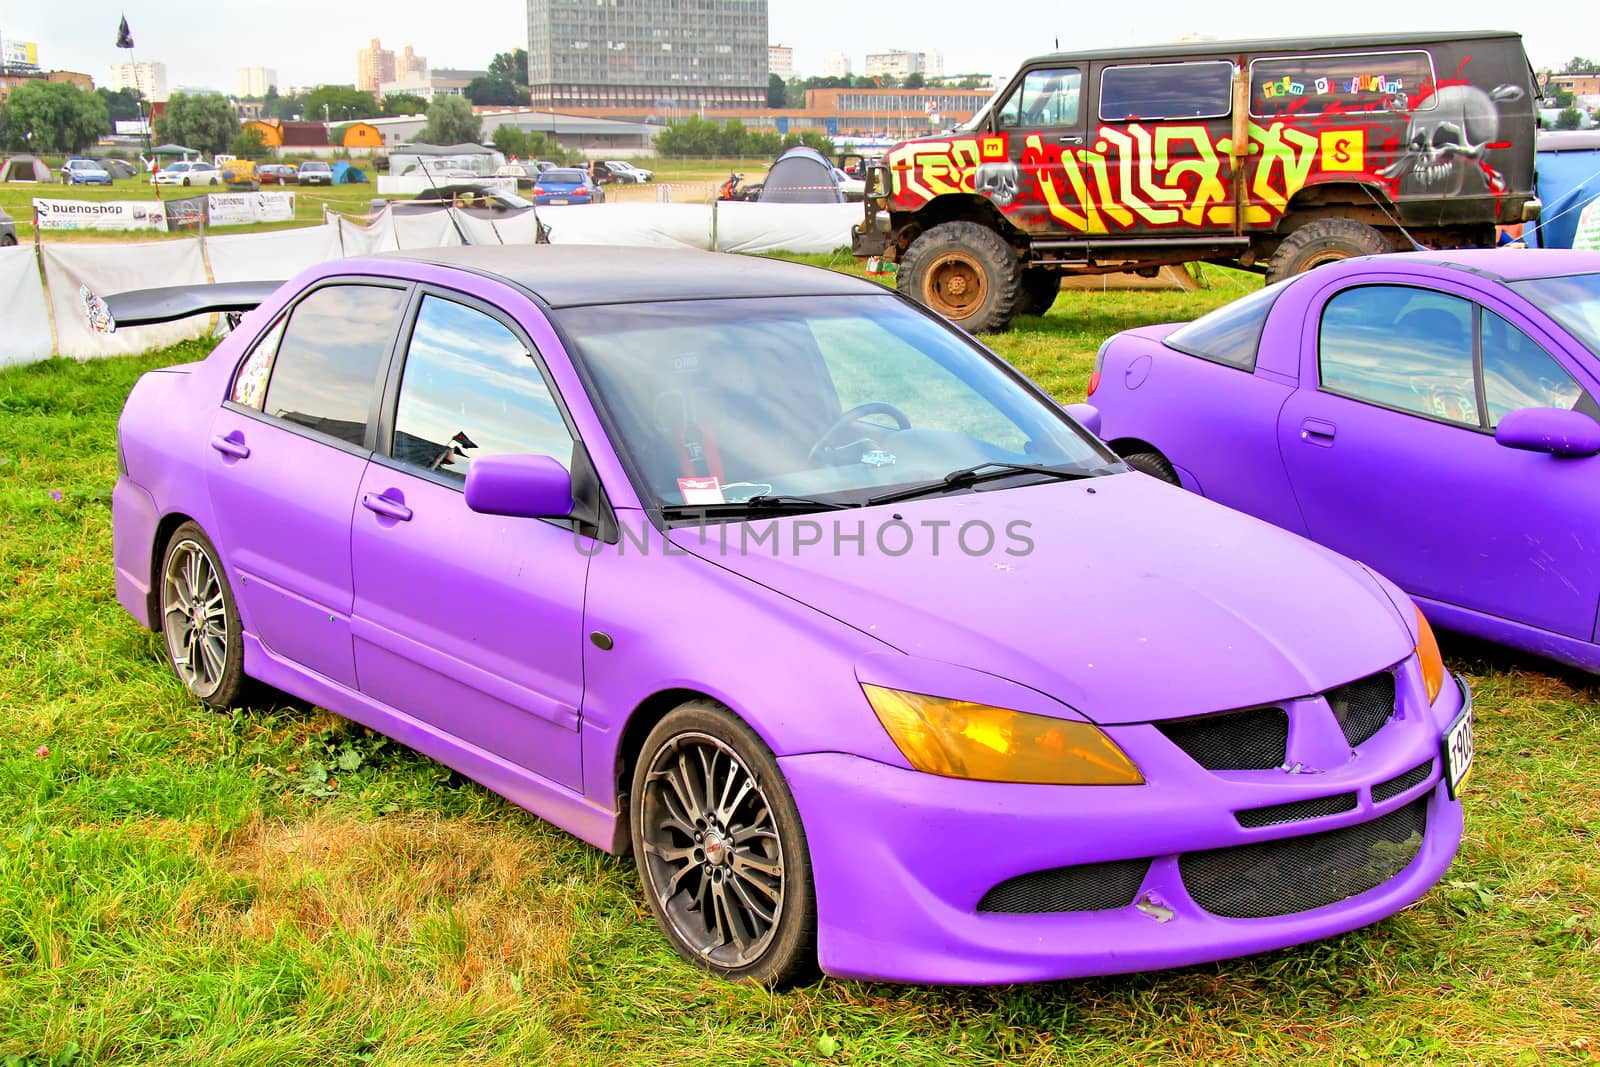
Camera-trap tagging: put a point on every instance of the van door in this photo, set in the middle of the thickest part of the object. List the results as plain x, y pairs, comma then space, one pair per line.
1042, 130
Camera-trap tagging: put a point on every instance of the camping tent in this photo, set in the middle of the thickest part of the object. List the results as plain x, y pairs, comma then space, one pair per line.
344, 173
802, 176
24, 169
173, 150
1568, 165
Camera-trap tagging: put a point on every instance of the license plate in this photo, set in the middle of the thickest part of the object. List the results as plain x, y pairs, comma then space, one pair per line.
558, 200
1458, 752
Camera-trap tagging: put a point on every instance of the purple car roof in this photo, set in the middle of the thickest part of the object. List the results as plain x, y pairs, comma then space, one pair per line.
1503, 264
573, 275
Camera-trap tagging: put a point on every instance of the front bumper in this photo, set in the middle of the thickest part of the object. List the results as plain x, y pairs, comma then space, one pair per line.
901, 859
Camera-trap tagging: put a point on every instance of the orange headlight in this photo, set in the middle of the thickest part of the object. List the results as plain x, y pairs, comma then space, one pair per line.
1428, 655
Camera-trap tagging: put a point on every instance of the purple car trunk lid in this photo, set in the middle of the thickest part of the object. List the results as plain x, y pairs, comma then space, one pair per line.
1136, 602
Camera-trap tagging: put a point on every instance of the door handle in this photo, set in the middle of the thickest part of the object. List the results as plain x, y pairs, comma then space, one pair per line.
231, 445
387, 507
1317, 432
1069, 138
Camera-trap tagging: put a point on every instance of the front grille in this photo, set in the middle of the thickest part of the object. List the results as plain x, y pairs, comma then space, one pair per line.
1363, 706
1251, 740
1295, 811
1401, 782
1298, 874
1085, 887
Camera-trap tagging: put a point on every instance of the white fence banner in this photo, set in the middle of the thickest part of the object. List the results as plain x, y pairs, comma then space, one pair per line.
271, 257
24, 318
273, 206
644, 224
743, 227
241, 209
69, 269
100, 214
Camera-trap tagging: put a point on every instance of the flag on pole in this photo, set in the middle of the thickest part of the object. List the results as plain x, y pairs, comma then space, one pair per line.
124, 35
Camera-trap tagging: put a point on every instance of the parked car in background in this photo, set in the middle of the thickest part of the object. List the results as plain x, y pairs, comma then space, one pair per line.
277, 174
853, 188
480, 201
8, 229
526, 175
567, 185
502, 503
621, 170
1430, 414
80, 171
240, 174
315, 172
119, 169
188, 172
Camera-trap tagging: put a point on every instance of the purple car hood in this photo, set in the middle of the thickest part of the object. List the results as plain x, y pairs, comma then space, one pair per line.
1137, 601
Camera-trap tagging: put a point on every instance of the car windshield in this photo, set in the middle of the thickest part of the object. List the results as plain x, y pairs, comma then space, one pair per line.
841, 397
563, 176
313, 166
1573, 300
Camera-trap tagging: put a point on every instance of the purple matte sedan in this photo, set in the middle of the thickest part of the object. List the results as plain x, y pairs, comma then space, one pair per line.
1430, 414
870, 655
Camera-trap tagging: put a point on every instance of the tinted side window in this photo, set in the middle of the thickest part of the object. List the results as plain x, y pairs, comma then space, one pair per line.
1046, 98
327, 365
471, 389
1317, 85
1230, 335
1166, 91
1517, 373
1403, 348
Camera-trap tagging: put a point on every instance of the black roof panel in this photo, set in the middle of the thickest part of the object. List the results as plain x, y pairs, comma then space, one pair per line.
1271, 46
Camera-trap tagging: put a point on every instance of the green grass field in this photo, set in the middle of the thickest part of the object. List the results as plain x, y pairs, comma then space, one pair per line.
278, 887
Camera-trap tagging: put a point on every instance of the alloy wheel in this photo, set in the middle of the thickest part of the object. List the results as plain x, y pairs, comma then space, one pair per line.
194, 615
714, 859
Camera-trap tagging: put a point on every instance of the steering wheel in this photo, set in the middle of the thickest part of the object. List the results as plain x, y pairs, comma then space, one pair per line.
855, 414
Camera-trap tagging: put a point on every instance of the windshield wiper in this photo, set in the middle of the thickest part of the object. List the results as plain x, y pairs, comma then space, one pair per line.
966, 477
765, 504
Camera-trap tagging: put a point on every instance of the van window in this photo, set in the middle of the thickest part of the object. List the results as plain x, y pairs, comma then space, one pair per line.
1317, 85
1046, 98
1166, 91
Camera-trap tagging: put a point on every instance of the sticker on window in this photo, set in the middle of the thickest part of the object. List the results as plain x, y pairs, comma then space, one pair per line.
700, 490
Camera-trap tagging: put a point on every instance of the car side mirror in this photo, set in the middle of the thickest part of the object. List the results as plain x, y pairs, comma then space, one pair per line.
1555, 431
1087, 416
532, 487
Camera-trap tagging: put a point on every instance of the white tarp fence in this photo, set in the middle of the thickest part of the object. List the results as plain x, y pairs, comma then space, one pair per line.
116, 268
24, 319
26, 325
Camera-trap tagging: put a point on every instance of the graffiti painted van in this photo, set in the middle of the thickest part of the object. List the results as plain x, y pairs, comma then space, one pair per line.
1270, 155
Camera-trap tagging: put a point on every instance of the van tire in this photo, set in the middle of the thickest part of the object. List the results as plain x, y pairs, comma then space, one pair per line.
1040, 286
966, 272
1324, 241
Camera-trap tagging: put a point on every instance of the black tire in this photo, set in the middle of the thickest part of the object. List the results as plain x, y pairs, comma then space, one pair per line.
7, 240
695, 849
219, 681
1039, 290
966, 272
1153, 464
186, 181
1324, 241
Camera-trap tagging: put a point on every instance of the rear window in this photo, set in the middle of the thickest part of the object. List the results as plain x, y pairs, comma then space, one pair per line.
1324, 84
563, 175
1166, 91
1230, 335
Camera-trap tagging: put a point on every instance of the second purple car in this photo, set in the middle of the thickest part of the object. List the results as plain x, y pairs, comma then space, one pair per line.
869, 655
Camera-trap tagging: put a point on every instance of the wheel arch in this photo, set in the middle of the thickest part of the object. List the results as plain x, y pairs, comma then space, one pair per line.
165, 528
953, 207
1127, 446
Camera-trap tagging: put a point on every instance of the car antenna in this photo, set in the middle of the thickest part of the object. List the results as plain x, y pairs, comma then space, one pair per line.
449, 208
1415, 245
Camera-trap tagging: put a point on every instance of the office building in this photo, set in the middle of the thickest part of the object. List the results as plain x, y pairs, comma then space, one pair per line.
149, 78
836, 65
650, 53
902, 64
255, 81
780, 60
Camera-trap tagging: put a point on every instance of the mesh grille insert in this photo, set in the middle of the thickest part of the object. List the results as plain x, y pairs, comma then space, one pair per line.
1401, 782
1363, 706
1085, 887
1256, 739
1301, 873
1277, 814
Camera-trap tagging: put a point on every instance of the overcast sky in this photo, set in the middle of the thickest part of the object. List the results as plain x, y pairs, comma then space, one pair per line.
204, 42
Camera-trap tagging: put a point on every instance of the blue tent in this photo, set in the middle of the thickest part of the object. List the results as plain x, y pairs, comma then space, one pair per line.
1568, 165
344, 173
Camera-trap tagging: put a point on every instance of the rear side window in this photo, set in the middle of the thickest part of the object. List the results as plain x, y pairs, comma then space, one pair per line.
1166, 91
1323, 84
326, 369
1230, 335
1401, 348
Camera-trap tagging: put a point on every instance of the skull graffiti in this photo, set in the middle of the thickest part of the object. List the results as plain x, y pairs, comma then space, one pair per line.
1443, 142
1000, 182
